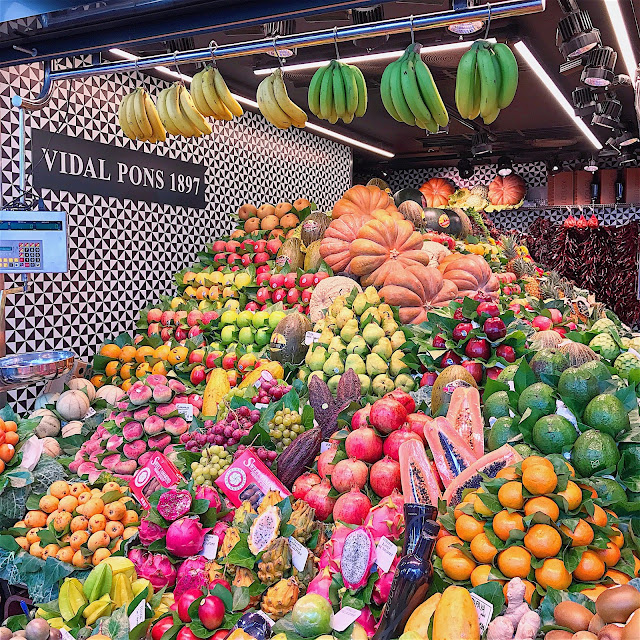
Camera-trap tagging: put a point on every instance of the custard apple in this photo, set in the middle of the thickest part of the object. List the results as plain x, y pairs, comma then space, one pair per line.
634, 343
602, 325
605, 345
625, 362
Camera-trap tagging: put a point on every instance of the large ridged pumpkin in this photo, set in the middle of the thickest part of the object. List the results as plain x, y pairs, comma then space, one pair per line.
471, 274
436, 192
334, 247
361, 199
507, 190
418, 290
384, 246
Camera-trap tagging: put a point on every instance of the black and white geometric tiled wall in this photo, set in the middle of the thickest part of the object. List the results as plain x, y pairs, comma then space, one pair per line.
123, 254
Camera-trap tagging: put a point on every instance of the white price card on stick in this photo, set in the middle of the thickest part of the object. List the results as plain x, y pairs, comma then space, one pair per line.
210, 547
299, 554
341, 620
137, 615
385, 554
484, 609
185, 410
65, 635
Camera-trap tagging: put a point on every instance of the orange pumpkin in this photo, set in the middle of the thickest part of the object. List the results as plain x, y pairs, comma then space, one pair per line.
507, 190
383, 246
417, 291
436, 192
471, 274
361, 199
334, 247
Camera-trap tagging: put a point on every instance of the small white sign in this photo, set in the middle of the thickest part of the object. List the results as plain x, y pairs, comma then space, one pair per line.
511, 385
325, 446
565, 412
299, 554
341, 620
185, 410
91, 412
385, 554
311, 336
210, 548
266, 617
137, 615
65, 635
261, 405
484, 610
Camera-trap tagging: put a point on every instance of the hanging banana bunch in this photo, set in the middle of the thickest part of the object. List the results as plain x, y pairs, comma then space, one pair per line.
178, 113
338, 91
212, 97
276, 106
409, 92
139, 119
486, 81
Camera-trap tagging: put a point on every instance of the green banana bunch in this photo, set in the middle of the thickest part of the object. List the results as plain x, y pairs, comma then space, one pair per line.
98, 582
338, 91
71, 598
409, 93
121, 591
486, 81
101, 607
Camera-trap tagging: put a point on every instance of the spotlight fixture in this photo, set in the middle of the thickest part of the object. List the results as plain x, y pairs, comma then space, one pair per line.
584, 101
611, 145
626, 139
598, 71
505, 166
366, 15
608, 114
465, 168
480, 144
277, 30
554, 165
465, 28
591, 165
576, 35
627, 158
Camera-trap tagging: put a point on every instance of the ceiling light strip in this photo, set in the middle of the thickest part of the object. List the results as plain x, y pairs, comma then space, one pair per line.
552, 87
622, 34
353, 142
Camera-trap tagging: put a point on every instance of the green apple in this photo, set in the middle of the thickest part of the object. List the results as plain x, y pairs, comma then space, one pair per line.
228, 317
260, 319
246, 335
263, 336
275, 317
244, 319
229, 334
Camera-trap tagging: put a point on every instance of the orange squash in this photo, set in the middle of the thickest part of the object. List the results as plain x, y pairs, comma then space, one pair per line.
507, 190
385, 246
417, 290
436, 192
361, 199
334, 247
471, 274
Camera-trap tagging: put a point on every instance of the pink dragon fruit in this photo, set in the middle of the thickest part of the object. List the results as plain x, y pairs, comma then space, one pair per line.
156, 568
209, 493
358, 556
367, 621
174, 504
219, 530
321, 584
185, 537
382, 585
387, 518
149, 532
333, 550
192, 574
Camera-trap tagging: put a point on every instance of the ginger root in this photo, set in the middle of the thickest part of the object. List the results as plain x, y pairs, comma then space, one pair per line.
517, 618
528, 626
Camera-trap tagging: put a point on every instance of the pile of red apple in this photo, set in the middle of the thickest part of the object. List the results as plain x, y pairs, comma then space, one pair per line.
179, 325
292, 290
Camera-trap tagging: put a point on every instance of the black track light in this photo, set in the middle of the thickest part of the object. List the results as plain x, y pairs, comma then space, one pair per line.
608, 114
505, 166
584, 101
576, 35
627, 158
626, 139
554, 165
598, 71
465, 168
480, 144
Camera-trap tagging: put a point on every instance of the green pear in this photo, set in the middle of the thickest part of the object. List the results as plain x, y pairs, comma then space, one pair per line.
317, 374
326, 337
385, 311
398, 339
382, 385
376, 365
358, 345
334, 365
397, 364
336, 306
320, 326
332, 383
343, 317
349, 331
355, 362
303, 373
360, 304
372, 295
405, 382
371, 312
365, 384
390, 326
372, 333
316, 358
336, 345
383, 348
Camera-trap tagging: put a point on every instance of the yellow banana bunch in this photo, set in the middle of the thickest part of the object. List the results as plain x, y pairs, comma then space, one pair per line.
179, 114
276, 106
139, 119
212, 97
71, 598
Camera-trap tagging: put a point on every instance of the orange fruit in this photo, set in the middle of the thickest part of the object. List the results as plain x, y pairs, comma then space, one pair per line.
7, 452
599, 517
93, 507
543, 541
617, 576
581, 536
480, 575
62, 521
480, 507
636, 565
514, 562
127, 354
535, 460
50, 550
610, 555
590, 568
467, 527
77, 488
544, 505
482, 549
11, 438
35, 519
593, 593
457, 565
510, 495
504, 522
10, 426
177, 355
142, 353
22, 541
36, 550
553, 574
99, 555
2, 466
65, 554
572, 494
508, 473
79, 523
48, 503
110, 350
60, 489
444, 545
529, 589
98, 540
617, 538
130, 518
129, 532
79, 560
127, 370
99, 380
114, 529
539, 479
594, 493
97, 523
69, 503
78, 539
112, 368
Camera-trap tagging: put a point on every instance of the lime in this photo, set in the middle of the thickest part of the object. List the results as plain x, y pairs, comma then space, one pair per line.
606, 413
594, 451
228, 317
260, 319
311, 615
508, 373
262, 337
539, 397
548, 362
244, 319
524, 450
246, 335
503, 430
608, 489
496, 405
552, 433
275, 317
578, 385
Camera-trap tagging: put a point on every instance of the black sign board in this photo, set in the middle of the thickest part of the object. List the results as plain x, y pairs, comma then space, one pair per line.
64, 163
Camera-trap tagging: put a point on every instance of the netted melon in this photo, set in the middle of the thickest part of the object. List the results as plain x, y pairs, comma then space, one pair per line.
312, 257
545, 340
313, 228
290, 255
326, 291
577, 353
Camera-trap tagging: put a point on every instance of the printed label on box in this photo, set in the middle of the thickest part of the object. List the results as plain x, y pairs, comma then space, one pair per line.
299, 554
266, 617
185, 410
210, 548
341, 620
385, 554
484, 610
158, 473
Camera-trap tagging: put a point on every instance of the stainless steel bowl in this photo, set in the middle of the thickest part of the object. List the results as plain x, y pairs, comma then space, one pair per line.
29, 368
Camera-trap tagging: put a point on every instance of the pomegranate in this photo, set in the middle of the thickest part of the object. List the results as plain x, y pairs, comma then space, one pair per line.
351, 508
394, 440
364, 444
403, 398
305, 482
325, 459
360, 417
387, 414
318, 498
385, 477
348, 474
416, 422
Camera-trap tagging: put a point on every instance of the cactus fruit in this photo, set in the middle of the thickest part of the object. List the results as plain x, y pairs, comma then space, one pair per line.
275, 560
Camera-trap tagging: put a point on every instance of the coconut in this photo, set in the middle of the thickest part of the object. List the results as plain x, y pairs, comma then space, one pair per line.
577, 353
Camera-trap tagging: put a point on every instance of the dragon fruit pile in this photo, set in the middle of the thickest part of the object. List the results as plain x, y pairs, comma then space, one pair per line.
144, 421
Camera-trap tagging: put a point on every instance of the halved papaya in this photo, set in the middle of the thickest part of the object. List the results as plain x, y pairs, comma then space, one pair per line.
465, 417
451, 452
419, 482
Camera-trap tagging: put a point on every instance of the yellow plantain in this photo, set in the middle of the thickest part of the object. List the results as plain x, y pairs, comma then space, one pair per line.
189, 109
141, 114
122, 118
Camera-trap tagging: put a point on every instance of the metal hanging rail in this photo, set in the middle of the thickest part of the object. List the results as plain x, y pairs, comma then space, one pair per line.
489, 11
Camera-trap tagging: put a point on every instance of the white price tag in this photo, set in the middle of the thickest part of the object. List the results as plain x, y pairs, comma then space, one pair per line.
341, 620
185, 410
325, 446
634, 352
311, 336
511, 414
565, 412
210, 548
266, 617
484, 610
91, 412
511, 385
65, 635
137, 615
299, 554
261, 405
385, 554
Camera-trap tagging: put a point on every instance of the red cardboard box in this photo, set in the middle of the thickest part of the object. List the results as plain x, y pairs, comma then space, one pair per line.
158, 473
607, 186
632, 185
582, 187
560, 188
